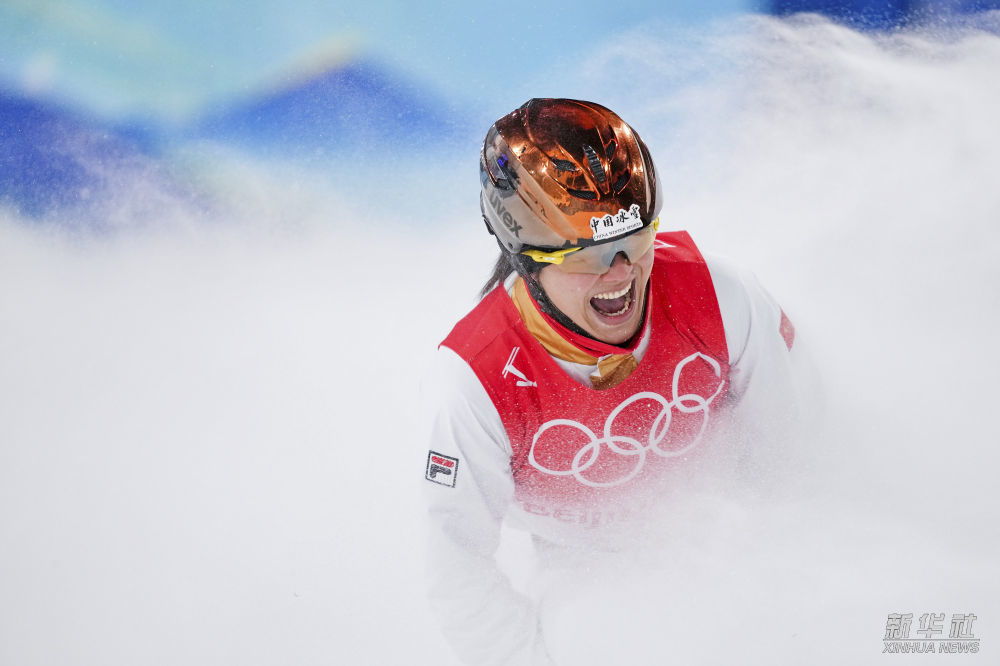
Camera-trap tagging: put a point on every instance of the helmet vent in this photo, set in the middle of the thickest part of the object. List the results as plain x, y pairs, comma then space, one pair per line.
621, 182
583, 194
564, 165
595, 164
611, 149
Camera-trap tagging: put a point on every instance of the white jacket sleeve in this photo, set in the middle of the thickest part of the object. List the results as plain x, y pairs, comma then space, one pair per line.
483, 618
771, 376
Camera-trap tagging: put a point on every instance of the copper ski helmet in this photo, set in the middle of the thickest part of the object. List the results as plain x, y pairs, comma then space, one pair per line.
559, 173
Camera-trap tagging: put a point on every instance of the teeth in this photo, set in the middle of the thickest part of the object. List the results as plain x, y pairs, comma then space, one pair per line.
628, 304
614, 294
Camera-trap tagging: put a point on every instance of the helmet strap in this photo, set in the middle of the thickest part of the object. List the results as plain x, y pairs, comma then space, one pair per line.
542, 299
528, 269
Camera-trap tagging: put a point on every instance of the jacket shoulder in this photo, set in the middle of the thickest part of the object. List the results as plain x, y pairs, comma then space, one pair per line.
682, 284
493, 317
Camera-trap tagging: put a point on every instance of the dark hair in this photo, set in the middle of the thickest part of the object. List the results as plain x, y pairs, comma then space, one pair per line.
503, 267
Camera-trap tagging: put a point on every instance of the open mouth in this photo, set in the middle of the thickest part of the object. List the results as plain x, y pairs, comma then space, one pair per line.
615, 303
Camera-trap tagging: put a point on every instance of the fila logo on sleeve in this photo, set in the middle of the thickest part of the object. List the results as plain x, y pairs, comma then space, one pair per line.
441, 469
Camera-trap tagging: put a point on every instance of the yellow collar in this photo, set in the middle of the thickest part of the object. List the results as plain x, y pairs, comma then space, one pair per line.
611, 369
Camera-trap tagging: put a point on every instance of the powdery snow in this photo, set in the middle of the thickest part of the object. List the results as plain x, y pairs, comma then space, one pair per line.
208, 451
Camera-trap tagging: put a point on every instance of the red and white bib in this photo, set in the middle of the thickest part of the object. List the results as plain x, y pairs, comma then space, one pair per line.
576, 448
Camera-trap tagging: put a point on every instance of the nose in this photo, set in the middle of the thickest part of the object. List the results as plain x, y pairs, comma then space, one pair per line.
619, 269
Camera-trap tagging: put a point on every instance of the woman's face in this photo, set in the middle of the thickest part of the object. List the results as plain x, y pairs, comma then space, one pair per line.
607, 306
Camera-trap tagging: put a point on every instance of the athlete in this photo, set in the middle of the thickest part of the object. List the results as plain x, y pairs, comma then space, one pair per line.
604, 356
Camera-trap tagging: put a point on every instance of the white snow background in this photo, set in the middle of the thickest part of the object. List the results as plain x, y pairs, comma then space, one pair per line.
208, 449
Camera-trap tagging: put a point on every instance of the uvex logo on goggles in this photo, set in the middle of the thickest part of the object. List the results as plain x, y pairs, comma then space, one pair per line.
597, 258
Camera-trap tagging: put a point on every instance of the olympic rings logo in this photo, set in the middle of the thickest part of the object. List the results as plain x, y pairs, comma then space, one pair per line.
629, 447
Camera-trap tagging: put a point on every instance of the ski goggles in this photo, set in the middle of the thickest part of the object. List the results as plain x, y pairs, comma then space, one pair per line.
597, 258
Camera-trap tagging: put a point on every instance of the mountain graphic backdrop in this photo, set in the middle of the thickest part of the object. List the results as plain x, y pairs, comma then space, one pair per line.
54, 158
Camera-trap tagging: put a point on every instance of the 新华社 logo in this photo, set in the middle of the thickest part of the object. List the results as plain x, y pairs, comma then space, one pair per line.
930, 637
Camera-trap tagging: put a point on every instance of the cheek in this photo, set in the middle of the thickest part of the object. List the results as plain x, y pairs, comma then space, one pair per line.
646, 260
565, 289
645, 265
